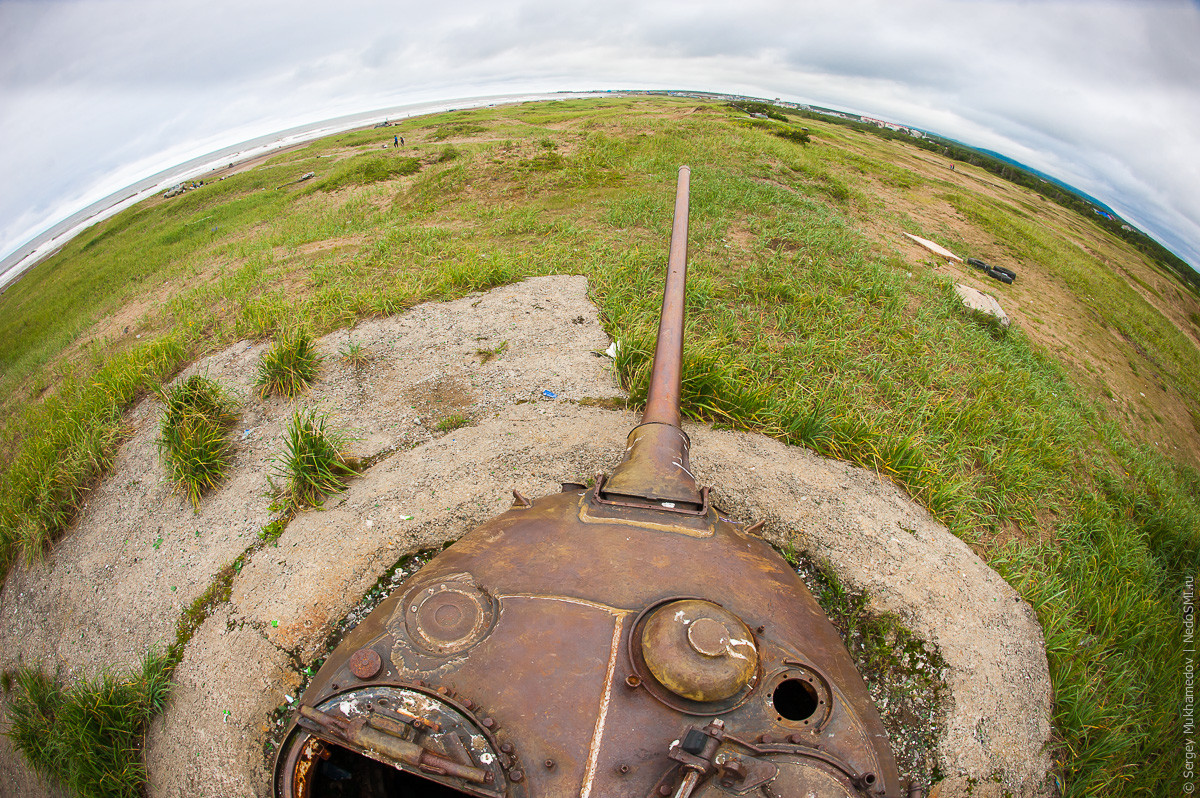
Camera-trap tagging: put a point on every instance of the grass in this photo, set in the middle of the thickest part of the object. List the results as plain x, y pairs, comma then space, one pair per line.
452, 422
799, 326
355, 355
312, 465
289, 366
63, 445
193, 438
366, 170
487, 355
87, 736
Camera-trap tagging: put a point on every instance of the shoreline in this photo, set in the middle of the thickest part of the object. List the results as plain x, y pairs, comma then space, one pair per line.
46, 244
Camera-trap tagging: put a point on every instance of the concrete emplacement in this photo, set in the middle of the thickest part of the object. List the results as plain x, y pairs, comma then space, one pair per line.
138, 556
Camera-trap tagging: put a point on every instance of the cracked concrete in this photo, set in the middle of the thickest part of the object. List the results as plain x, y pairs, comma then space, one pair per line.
117, 582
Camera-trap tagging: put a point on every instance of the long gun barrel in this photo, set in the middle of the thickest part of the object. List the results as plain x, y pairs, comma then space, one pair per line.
662, 401
656, 467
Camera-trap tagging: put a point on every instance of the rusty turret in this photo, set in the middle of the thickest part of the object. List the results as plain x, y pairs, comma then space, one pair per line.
624, 639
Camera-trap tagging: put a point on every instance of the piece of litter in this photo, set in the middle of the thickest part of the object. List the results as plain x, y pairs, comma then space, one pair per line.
274, 623
287, 698
612, 350
549, 394
406, 518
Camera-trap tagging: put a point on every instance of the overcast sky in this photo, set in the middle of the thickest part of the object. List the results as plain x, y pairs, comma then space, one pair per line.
96, 94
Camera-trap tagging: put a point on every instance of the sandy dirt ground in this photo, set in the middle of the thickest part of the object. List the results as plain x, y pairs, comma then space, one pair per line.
138, 556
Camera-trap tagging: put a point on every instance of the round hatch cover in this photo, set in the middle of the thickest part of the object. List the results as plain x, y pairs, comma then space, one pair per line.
449, 615
699, 650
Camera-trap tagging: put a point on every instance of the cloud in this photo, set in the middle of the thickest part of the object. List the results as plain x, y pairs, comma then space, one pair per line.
1100, 94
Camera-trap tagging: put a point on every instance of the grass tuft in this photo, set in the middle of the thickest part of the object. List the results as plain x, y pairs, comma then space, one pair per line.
355, 354
448, 153
487, 355
312, 465
793, 134
289, 366
88, 736
452, 422
193, 438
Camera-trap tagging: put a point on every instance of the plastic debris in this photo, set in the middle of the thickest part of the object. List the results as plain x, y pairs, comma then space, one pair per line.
406, 518
612, 350
549, 394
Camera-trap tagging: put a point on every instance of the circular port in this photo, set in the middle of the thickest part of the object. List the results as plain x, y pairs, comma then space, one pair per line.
447, 616
795, 699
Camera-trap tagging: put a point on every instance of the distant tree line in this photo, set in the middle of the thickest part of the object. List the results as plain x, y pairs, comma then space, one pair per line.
766, 109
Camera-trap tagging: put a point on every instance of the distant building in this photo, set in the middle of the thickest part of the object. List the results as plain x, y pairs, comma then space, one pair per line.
887, 125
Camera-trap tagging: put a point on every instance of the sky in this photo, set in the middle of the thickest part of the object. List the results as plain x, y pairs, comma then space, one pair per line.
98, 94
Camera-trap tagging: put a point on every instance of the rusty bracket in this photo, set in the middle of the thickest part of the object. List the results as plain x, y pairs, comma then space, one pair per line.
694, 752
744, 774
651, 504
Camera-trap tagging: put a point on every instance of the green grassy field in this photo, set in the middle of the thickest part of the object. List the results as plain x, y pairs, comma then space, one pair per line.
803, 323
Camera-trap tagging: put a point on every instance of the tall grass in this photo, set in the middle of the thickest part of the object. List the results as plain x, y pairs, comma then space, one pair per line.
193, 437
87, 736
312, 464
67, 443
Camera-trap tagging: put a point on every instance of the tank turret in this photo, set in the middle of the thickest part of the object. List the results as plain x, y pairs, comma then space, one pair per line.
622, 639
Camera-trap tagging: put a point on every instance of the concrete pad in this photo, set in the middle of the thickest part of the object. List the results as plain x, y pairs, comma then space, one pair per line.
230, 681
975, 299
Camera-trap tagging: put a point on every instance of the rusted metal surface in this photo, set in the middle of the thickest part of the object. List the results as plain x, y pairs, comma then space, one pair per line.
662, 398
699, 650
365, 663
621, 640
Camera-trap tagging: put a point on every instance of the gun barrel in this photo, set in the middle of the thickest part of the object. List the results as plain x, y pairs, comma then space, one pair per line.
656, 465
662, 399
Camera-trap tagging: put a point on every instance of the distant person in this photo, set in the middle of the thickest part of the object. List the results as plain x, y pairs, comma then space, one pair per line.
395, 141
402, 139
